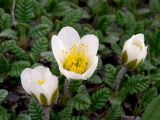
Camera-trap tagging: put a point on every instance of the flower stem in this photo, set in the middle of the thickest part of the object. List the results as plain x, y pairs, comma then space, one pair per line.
46, 112
119, 77
66, 83
12, 13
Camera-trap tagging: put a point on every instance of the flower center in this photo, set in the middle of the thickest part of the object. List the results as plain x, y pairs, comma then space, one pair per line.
41, 82
76, 60
137, 43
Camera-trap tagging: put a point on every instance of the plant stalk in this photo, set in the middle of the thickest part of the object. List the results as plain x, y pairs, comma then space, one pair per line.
119, 77
12, 13
46, 112
66, 83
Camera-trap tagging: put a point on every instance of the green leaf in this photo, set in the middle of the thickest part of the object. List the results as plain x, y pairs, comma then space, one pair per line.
39, 31
82, 90
4, 115
18, 67
154, 6
154, 44
40, 45
5, 21
152, 111
126, 20
4, 64
102, 23
98, 7
24, 11
72, 17
99, 98
79, 118
3, 94
45, 20
23, 117
8, 33
135, 84
81, 102
1, 80
48, 56
114, 112
65, 114
95, 79
149, 95
110, 74
74, 85
35, 110
11, 46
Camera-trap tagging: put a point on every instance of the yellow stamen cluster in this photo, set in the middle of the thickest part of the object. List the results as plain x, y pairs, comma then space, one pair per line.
76, 60
41, 82
137, 43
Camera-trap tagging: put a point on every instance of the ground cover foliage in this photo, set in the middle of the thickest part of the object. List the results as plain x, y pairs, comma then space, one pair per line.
25, 33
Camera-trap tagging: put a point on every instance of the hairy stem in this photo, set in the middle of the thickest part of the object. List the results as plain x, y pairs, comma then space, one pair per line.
66, 83
12, 13
119, 77
46, 112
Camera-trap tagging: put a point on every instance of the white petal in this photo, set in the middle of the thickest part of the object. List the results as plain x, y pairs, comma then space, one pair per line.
70, 75
35, 75
36, 90
133, 53
58, 49
91, 69
139, 37
92, 43
26, 80
127, 45
41, 69
143, 54
50, 85
69, 36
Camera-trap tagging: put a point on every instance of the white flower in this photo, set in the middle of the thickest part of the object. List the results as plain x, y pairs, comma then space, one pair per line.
134, 51
76, 57
40, 83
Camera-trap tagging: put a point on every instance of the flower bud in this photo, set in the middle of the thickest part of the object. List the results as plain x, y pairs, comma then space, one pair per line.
40, 83
134, 51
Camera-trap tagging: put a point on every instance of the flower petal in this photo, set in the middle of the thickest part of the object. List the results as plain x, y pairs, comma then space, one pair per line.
41, 69
37, 90
58, 49
133, 52
50, 85
92, 44
69, 74
143, 54
91, 69
139, 37
26, 80
69, 36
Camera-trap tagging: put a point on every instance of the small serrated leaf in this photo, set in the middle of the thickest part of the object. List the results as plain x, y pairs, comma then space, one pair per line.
152, 111
8, 33
95, 79
17, 67
23, 117
3, 94
99, 98
81, 102
35, 110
